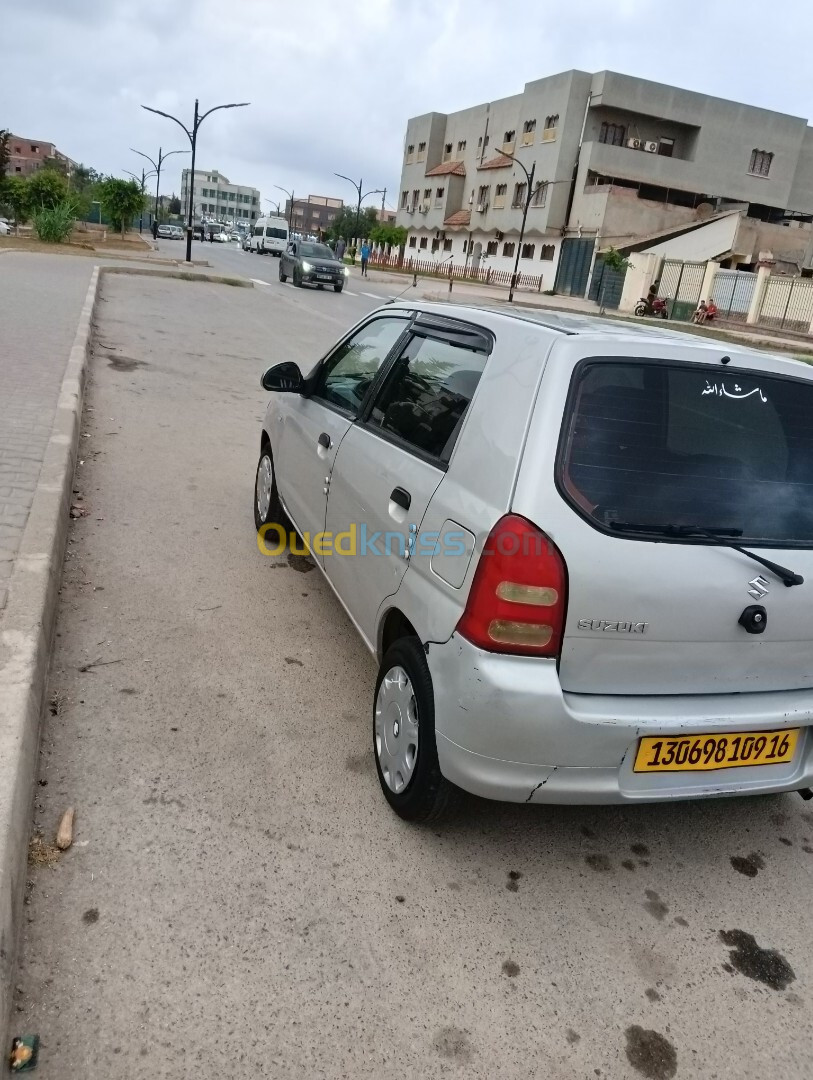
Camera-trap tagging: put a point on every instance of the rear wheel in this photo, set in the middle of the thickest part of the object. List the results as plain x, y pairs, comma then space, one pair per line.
406, 756
282, 276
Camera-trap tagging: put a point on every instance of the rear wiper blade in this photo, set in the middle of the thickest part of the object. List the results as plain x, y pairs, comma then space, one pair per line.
721, 536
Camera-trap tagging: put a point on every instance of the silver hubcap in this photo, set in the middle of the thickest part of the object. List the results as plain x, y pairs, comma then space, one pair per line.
265, 482
396, 729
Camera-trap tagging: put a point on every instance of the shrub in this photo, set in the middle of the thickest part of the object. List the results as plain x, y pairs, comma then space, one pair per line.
54, 224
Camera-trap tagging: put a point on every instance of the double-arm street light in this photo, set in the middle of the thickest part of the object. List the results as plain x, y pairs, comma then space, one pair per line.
272, 203
290, 195
141, 181
193, 139
530, 194
157, 167
357, 186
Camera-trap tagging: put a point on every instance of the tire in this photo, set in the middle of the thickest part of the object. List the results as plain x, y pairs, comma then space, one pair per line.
664, 314
640, 309
267, 506
338, 288
403, 711
297, 280
282, 276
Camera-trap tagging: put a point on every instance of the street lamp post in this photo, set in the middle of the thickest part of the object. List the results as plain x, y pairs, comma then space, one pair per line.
142, 182
193, 139
290, 195
157, 166
272, 203
357, 186
530, 194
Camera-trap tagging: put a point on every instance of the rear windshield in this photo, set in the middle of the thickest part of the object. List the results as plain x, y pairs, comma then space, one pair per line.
662, 444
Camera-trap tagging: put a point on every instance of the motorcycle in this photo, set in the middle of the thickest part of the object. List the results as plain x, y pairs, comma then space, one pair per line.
655, 307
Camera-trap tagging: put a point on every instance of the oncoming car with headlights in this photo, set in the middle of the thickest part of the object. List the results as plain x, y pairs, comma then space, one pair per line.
306, 262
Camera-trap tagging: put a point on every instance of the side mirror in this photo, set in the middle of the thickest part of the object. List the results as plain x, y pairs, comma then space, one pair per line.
285, 378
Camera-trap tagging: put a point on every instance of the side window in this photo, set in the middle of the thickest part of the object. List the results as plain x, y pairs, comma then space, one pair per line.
426, 395
346, 376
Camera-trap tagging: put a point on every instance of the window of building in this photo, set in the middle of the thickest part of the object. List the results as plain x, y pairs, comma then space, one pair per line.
547, 253
415, 196
421, 151
500, 192
447, 245
760, 162
491, 247
520, 191
613, 134
410, 152
465, 246
35, 149
508, 249
666, 147
439, 193
17, 168
482, 196
17, 150
508, 137
422, 244
528, 251
404, 199
552, 122
231, 196
427, 195
528, 129
435, 245
412, 241
461, 146
486, 140
447, 151
540, 196
479, 143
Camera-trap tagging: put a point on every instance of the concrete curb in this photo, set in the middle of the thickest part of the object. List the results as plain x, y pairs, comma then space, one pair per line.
182, 275
25, 646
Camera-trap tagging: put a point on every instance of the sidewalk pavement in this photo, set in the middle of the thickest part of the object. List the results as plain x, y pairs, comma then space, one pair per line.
437, 289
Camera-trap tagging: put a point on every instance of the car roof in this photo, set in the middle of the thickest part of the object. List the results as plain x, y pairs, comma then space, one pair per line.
568, 324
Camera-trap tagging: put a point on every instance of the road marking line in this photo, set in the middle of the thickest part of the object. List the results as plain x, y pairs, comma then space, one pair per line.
373, 295
259, 281
351, 293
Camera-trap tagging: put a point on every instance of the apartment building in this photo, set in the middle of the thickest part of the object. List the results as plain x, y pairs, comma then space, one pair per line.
312, 216
26, 156
615, 159
216, 199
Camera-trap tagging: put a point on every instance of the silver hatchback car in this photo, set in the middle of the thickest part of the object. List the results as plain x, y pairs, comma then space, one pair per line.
581, 552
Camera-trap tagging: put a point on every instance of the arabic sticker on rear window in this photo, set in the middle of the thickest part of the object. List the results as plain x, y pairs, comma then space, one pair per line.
732, 390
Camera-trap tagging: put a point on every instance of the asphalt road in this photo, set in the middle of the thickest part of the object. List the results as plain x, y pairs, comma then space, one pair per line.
240, 901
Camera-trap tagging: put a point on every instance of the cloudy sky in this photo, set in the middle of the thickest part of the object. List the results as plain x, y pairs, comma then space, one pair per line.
332, 84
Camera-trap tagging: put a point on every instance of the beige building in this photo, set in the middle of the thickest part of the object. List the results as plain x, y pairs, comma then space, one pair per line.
614, 159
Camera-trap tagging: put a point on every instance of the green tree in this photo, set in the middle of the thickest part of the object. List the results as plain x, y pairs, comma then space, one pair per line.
5, 154
46, 189
121, 201
175, 205
389, 235
17, 198
344, 224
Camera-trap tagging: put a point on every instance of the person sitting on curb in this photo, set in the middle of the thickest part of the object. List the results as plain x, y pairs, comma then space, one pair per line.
700, 315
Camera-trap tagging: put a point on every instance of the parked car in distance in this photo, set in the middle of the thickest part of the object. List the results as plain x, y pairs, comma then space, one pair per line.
5, 228
246, 243
308, 263
581, 553
177, 232
165, 232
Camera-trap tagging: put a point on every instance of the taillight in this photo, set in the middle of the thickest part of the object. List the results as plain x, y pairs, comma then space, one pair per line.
518, 597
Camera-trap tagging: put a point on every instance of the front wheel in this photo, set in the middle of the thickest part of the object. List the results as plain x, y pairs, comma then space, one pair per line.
282, 276
338, 288
640, 309
267, 506
297, 280
406, 756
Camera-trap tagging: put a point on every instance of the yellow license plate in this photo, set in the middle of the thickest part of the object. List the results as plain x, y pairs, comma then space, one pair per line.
700, 753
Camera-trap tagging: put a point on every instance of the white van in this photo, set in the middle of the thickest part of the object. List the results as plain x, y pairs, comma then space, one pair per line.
270, 236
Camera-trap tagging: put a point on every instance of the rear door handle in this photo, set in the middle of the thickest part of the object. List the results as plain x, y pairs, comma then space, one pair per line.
324, 440
401, 498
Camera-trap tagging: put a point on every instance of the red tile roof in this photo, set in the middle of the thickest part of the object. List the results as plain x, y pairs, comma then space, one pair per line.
448, 168
462, 217
498, 162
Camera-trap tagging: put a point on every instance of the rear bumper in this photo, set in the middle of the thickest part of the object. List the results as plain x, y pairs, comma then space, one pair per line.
505, 730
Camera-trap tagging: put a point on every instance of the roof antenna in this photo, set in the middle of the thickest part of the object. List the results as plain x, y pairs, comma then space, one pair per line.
725, 360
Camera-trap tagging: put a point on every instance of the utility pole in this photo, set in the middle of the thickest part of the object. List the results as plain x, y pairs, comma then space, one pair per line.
142, 181
192, 135
157, 166
358, 186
